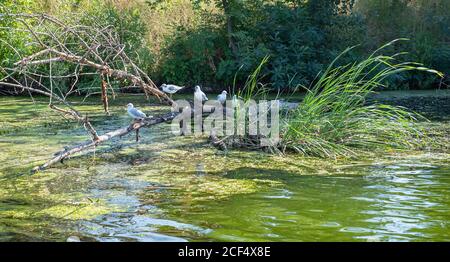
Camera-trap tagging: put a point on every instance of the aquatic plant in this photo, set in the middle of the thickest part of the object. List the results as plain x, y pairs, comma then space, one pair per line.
334, 118
252, 87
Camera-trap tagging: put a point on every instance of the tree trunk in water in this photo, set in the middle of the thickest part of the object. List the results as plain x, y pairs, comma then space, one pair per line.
227, 10
104, 95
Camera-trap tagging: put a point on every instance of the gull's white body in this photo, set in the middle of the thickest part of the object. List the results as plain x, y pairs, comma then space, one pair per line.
222, 97
171, 89
134, 112
199, 95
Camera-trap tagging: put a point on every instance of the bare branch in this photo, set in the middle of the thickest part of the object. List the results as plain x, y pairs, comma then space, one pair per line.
102, 52
104, 95
87, 125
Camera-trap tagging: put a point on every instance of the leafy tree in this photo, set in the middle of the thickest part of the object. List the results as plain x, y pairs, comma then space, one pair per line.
12, 39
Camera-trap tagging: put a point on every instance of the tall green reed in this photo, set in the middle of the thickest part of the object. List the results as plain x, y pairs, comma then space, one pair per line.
334, 119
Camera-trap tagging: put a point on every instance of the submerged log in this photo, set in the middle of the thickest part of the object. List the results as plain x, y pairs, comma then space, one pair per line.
217, 143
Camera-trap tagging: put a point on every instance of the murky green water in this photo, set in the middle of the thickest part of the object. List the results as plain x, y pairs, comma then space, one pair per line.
169, 188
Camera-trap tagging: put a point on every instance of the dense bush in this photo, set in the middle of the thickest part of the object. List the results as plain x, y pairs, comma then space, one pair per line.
298, 46
189, 57
290, 39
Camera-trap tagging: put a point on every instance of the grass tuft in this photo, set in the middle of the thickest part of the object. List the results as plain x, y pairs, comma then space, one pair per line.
334, 120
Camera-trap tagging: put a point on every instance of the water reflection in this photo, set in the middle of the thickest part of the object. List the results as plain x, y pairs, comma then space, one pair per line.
132, 227
402, 202
400, 198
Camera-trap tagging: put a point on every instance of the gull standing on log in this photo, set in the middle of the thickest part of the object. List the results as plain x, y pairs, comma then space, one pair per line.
135, 113
199, 95
171, 89
222, 97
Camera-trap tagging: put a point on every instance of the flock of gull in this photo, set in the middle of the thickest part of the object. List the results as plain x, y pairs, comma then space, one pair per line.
199, 95
172, 89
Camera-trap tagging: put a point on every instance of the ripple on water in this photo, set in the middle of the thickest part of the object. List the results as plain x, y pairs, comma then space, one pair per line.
132, 227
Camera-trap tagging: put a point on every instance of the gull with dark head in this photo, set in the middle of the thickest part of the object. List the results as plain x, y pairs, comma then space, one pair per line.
199, 95
135, 113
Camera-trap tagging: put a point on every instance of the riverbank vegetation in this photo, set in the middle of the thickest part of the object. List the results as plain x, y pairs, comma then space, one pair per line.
206, 42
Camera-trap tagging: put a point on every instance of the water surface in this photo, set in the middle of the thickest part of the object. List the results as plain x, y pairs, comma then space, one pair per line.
167, 188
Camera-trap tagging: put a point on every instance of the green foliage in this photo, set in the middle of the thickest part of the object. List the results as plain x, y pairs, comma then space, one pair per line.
215, 42
301, 37
12, 39
190, 57
297, 45
425, 23
288, 36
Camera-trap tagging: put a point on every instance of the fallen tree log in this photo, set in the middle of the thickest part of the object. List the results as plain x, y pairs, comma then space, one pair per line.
95, 138
136, 126
60, 156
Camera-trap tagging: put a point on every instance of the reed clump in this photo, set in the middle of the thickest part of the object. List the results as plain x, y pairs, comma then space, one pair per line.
334, 120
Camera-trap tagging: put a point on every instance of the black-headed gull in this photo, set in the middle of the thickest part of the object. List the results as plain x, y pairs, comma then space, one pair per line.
135, 113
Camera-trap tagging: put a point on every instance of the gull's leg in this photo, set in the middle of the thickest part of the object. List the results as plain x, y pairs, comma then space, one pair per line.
138, 120
181, 128
137, 135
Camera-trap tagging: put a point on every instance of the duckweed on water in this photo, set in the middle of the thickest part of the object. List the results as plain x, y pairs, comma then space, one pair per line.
180, 184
